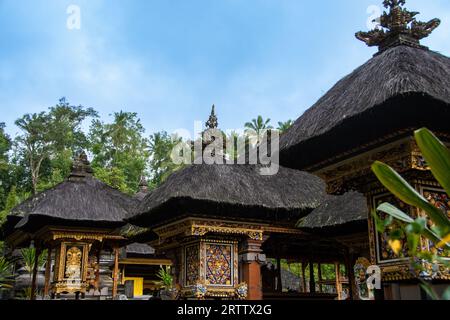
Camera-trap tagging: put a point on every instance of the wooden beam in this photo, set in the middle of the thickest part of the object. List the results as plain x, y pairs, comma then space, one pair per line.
146, 261
48, 266
115, 272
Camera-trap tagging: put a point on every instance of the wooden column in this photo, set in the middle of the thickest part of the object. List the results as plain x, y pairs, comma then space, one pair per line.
349, 263
115, 272
97, 272
35, 271
312, 281
305, 289
338, 280
251, 257
279, 279
48, 267
319, 269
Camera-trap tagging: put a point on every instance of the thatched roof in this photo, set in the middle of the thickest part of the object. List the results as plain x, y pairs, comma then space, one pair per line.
139, 249
232, 192
79, 200
337, 211
400, 88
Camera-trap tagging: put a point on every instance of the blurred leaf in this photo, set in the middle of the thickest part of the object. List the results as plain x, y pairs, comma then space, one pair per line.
402, 190
429, 290
381, 224
413, 242
396, 213
437, 156
446, 295
418, 226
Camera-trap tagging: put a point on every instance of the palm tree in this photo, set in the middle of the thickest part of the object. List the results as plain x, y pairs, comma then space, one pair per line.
256, 128
284, 126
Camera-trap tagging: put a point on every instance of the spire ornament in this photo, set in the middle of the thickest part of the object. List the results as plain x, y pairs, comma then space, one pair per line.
81, 166
212, 122
398, 27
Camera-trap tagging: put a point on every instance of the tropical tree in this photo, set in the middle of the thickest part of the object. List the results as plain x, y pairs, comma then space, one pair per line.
120, 146
256, 128
435, 226
51, 138
161, 145
5, 146
284, 126
12, 200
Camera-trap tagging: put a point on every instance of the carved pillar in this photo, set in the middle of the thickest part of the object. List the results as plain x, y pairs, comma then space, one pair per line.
251, 257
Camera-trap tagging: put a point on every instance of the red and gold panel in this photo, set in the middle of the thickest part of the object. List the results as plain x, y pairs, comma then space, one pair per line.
440, 200
219, 264
192, 255
384, 252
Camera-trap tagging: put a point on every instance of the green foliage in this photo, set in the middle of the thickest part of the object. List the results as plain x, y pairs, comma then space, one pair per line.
49, 139
5, 146
120, 146
114, 177
436, 225
5, 273
255, 129
11, 201
165, 277
284, 126
161, 145
28, 257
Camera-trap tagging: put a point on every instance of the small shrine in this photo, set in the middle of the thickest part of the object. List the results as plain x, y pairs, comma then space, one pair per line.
76, 222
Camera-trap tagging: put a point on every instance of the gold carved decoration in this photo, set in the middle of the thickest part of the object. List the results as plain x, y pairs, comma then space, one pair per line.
201, 227
339, 176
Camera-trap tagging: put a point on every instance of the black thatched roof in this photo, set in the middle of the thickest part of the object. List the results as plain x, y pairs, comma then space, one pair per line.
337, 211
400, 88
81, 200
231, 191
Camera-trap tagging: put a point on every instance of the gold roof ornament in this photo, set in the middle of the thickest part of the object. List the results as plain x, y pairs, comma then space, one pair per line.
398, 27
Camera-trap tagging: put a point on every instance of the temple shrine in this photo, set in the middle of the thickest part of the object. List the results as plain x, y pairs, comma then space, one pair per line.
228, 232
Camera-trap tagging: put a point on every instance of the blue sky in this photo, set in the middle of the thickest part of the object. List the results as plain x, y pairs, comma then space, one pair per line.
170, 60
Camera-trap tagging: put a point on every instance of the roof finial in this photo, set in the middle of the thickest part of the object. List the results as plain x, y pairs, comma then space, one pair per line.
81, 166
212, 122
143, 184
398, 27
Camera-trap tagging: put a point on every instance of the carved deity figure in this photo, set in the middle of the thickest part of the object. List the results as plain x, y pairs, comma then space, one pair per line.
73, 263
